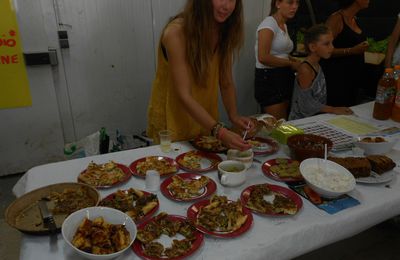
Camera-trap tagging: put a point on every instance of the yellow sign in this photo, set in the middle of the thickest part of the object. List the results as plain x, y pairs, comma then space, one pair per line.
14, 85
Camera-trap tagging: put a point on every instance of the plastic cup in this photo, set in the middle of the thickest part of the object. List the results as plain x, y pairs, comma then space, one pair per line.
152, 180
165, 140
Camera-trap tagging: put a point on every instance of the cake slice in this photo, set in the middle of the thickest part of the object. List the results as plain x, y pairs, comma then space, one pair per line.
358, 166
381, 163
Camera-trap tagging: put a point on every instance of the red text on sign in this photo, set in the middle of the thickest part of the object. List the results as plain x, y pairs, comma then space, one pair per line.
7, 42
9, 59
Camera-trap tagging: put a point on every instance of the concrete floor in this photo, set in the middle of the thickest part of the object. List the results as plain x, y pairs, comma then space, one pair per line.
380, 242
9, 237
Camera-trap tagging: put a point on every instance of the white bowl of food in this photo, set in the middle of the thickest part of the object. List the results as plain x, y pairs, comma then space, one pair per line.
327, 178
245, 157
231, 173
375, 144
78, 226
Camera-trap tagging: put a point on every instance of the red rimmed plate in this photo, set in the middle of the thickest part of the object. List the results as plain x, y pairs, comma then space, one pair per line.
125, 170
263, 146
207, 161
139, 220
209, 189
137, 246
171, 163
266, 168
244, 197
194, 210
208, 144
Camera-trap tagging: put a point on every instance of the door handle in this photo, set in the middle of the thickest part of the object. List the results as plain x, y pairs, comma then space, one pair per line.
41, 58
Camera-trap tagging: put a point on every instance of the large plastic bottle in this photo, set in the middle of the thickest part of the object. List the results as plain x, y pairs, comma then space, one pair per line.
385, 94
396, 105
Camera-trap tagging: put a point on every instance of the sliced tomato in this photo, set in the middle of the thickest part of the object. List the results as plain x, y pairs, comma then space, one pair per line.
312, 195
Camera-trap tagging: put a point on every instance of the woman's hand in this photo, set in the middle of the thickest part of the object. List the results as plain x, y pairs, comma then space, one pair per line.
243, 123
233, 140
359, 48
295, 64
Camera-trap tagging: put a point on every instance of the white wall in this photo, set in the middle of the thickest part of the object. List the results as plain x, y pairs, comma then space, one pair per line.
110, 63
31, 135
112, 60
104, 78
254, 12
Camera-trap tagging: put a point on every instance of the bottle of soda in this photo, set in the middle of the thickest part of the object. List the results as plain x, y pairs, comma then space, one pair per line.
385, 93
396, 105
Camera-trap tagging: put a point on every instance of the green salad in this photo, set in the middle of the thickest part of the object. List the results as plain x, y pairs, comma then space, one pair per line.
377, 46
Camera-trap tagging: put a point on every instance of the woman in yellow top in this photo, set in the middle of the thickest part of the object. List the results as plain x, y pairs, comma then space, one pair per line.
195, 55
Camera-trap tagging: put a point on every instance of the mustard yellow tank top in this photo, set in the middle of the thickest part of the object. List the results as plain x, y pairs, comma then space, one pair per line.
165, 110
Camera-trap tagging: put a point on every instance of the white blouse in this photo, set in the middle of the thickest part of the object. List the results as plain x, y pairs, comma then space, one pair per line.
281, 46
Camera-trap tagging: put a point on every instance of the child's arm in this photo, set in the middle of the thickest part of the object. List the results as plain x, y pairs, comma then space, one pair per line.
337, 110
393, 40
304, 102
305, 76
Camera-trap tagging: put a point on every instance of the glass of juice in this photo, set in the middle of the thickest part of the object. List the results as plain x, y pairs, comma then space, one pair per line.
165, 140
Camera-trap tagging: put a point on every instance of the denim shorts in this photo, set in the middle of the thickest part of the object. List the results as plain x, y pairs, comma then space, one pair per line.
273, 86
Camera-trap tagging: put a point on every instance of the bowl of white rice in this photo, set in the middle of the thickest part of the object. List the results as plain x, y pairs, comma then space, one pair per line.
327, 178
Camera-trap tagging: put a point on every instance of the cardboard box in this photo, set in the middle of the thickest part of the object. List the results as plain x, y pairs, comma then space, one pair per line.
374, 57
300, 47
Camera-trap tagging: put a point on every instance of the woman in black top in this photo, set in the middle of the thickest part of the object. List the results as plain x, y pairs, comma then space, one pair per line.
343, 71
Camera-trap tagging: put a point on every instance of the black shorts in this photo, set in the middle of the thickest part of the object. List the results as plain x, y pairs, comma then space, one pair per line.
273, 86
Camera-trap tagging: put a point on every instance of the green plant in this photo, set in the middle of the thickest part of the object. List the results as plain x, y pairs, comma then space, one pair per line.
377, 46
300, 37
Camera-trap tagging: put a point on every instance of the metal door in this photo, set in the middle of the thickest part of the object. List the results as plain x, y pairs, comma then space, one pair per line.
30, 136
109, 62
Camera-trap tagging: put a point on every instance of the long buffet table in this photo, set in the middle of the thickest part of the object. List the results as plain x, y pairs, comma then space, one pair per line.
268, 238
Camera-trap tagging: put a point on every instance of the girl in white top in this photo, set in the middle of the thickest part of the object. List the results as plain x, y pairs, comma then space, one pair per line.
393, 52
274, 75
281, 44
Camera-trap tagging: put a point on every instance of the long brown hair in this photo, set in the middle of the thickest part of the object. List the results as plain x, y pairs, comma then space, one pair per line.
273, 7
198, 19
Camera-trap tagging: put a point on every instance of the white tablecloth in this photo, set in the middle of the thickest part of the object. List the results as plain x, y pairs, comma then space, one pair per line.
268, 238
